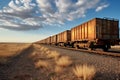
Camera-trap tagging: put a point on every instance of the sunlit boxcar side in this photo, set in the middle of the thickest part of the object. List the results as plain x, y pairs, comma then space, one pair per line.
64, 38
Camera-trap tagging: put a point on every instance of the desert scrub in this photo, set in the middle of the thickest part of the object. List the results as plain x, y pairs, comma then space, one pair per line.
86, 72
43, 49
34, 54
42, 64
53, 54
58, 69
48, 52
64, 61
54, 78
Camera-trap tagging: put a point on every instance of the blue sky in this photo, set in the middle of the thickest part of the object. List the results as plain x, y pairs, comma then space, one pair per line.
32, 20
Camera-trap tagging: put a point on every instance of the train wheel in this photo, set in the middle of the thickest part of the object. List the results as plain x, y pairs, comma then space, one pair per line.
105, 48
91, 46
76, 46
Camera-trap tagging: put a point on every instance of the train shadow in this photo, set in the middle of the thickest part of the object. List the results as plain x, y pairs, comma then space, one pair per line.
114, 50
106, 76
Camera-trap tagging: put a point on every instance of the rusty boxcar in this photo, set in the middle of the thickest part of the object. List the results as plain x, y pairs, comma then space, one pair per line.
64, 38
54, 40
40, 42
47, 40
96, 33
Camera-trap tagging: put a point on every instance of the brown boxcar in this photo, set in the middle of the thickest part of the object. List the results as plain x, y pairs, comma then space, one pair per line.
40, 42
96, 33
64, 38
48, 40
54, 40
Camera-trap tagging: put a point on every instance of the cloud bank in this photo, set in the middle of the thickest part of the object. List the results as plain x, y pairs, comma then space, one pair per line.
34, 14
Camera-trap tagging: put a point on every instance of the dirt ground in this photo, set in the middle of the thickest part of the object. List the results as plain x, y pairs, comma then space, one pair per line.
22, 66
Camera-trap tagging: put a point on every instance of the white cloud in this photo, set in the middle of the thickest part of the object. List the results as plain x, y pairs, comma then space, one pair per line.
99, 8
34, 14
45, 6
63, 5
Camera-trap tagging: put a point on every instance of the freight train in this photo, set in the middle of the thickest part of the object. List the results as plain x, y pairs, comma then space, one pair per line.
95, 33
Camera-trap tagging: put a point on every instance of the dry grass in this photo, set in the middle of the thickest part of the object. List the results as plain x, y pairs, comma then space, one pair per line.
58, 69
10, 49
86, 72
64, 61
42, 64
33, 54
78, 70
48, 52
53, 54
54, 78
43, 49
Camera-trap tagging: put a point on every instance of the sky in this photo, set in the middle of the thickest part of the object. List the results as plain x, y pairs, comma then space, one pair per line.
33, 20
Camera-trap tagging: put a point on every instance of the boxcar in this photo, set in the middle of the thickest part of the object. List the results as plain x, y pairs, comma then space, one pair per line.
48, 40
54, 40
64, 38
40, 42
96, 33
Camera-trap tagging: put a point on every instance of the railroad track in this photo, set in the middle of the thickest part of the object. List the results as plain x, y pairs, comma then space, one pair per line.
109, 53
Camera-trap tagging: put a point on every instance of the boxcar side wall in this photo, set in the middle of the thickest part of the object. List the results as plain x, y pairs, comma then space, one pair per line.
107, 29
68, 36
92, 29
54, 39
64, 36
48, 40
85, 31
96, 28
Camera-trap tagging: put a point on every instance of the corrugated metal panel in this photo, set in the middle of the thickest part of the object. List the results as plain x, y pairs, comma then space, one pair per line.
80, 32
64, 36
48, 40
107, 29
69, 35
91, 29
54, 39
84, 31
